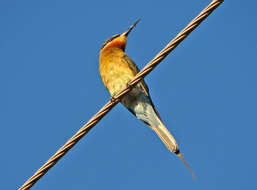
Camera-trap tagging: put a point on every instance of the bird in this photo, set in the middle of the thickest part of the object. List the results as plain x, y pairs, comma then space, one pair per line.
117, 70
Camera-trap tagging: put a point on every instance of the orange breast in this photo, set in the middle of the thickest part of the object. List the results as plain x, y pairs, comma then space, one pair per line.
114, 71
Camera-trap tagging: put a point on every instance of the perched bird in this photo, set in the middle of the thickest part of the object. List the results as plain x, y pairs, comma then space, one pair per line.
116, 70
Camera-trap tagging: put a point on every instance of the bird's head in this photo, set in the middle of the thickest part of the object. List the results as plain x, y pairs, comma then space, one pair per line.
119, 40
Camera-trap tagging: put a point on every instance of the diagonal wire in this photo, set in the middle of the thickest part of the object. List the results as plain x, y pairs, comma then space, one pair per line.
108, 106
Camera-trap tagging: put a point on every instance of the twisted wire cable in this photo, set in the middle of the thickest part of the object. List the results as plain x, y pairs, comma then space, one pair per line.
108, 106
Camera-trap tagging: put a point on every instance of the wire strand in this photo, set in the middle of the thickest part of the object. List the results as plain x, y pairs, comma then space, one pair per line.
108, 106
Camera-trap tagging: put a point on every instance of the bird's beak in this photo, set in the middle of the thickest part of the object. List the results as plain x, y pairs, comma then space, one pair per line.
126, 33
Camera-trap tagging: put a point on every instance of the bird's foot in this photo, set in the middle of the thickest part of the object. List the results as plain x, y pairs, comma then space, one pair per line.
112, 99
128, 85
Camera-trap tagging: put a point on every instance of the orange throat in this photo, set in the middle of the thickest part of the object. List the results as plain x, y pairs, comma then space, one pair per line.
119, 42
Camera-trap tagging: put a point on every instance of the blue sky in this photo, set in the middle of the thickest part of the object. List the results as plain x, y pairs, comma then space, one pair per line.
205, 92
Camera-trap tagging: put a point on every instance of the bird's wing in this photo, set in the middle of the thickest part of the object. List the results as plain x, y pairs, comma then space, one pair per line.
135, 70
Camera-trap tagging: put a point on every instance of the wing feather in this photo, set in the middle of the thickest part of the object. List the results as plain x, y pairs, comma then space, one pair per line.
135, 70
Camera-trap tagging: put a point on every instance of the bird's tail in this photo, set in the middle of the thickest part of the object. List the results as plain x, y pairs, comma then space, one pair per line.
170, 142
142, 107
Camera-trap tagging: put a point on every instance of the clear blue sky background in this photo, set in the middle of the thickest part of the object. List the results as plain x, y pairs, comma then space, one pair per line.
205, 92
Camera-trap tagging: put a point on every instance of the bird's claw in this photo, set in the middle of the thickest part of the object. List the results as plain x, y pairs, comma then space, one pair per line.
128, 85
112, 99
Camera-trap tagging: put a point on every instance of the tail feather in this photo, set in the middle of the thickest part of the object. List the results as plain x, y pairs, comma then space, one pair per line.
140, 104
186, 164
170, 143
166, 137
